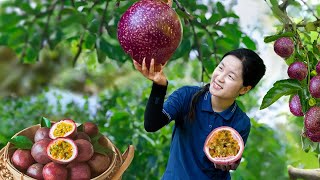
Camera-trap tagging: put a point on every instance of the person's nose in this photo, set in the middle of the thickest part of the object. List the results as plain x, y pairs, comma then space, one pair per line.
220, 77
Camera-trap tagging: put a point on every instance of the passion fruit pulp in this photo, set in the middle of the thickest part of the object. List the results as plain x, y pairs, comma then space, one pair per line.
223, 146
62, 150
63, 128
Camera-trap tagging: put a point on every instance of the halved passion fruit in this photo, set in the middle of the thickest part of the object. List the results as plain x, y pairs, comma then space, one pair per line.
62, 150
63, 128
223, 146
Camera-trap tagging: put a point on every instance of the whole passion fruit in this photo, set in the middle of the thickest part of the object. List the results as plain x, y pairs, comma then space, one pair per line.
62, 150
90, 128
85, 150
284, 47
63, 128
223, 146
318, 67
98, 164
78, 171
22, 159
39, 151
54, 171
41, 133
312, 124
297, 70
150, 29
314, 86
295, 106
35, 171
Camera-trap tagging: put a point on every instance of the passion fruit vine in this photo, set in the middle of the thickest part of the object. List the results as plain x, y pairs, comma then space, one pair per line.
224, 146
150, 29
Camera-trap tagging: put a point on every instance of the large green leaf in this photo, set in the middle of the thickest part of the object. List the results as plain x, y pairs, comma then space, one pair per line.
279, 89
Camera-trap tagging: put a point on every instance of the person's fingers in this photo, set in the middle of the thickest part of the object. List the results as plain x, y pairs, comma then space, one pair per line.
234, 166
144, 67
152, 68
137, 65
228, 167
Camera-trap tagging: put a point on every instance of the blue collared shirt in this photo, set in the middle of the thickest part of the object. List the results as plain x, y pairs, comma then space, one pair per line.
187, 159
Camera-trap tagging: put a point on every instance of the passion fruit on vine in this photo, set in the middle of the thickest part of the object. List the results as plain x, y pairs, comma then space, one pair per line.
295, 106
312, 124
63, 128
298, 70
62, 150
224, 146
314, 86
284, 47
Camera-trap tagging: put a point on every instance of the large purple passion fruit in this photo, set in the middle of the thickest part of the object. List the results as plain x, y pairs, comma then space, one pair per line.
150, 29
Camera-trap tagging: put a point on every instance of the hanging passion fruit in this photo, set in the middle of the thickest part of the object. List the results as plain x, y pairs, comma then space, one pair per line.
63, 128
62, 150
223, 146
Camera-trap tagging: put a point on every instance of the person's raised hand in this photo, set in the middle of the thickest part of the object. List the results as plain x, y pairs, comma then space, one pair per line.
154, 73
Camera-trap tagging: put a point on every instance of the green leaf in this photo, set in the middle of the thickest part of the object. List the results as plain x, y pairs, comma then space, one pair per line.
310, 26
221, 9
268, 39
98, 148
80, 128
279, 89
249, 43
21, 142
45, 122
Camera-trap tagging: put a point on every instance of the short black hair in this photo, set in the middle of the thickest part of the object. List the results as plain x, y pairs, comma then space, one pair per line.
253, 68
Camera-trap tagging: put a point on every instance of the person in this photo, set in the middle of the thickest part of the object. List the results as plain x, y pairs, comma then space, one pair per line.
198, 110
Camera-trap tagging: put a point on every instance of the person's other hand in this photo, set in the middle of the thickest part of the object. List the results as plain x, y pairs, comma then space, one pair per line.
154, 73
232, 166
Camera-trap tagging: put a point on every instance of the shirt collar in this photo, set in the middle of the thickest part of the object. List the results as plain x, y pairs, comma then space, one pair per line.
226, 114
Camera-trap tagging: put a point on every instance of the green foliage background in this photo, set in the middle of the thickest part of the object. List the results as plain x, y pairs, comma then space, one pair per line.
40, 54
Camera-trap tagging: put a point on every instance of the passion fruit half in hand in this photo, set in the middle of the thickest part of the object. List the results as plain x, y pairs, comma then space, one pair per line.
62, 150
224, 146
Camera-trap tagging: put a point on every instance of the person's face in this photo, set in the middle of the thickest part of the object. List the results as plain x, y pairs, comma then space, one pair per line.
226, 81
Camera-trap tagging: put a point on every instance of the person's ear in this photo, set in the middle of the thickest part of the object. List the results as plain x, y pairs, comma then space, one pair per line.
244, 90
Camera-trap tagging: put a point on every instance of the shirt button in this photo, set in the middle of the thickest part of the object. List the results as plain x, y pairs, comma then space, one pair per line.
210, 126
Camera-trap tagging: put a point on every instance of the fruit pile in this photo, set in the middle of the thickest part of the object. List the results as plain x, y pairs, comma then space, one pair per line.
62, 150
224, 145
307, 73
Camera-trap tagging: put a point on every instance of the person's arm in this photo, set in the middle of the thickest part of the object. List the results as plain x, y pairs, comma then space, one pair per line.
154, 118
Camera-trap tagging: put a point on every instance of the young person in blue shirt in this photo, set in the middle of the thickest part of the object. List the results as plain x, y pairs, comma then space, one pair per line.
198, 110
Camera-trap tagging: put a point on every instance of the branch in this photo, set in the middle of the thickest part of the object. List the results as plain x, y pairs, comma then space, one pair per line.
198, 47
79, 50
103, 18
45, 30
308, 174
183, 9
311, 10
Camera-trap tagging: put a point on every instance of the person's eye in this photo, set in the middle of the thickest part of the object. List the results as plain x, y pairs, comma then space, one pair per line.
220, 67
231, 77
